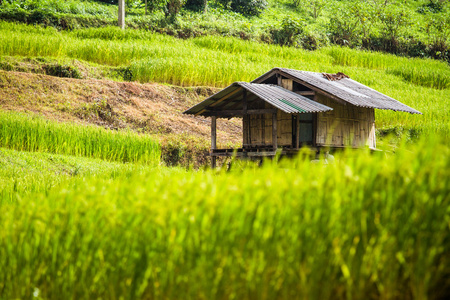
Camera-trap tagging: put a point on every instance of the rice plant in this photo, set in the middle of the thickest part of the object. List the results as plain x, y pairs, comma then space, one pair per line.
32, 133
365, 226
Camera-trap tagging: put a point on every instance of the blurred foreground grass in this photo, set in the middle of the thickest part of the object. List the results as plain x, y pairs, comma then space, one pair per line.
365, 226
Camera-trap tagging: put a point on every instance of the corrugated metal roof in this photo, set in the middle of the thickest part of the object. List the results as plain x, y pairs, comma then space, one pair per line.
345, 89
277, 96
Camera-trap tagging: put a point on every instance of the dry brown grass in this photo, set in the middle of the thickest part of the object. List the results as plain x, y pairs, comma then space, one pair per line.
149, 108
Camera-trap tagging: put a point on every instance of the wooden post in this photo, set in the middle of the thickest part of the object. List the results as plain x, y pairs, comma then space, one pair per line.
263, 129
274, 131
122, 14
145, 7
245, 102
297, 137
213, 140
246, 117
279, 80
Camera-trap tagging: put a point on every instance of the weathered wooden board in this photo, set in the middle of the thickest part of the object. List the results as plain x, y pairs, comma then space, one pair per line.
345, 125
287, 84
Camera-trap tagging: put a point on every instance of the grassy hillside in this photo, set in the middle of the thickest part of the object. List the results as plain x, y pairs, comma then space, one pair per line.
417, 28
129, 108
423, 84
93, 213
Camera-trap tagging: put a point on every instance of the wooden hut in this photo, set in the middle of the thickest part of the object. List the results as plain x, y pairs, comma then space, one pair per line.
287, 109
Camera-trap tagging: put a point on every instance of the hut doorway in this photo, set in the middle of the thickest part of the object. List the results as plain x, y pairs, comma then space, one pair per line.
303, 129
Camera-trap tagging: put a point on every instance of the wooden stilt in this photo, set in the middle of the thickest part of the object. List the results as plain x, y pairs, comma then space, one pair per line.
213, 140
274, 131
246, 117
297, 133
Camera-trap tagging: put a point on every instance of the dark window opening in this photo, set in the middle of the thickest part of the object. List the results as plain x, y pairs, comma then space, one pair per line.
297, 87
305, 127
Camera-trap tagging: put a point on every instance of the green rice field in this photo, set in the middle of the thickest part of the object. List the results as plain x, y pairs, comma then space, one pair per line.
423, 84
25, 133
366, 224
90, 213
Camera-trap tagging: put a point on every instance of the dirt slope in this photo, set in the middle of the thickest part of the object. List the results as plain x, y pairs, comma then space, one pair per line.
150, 108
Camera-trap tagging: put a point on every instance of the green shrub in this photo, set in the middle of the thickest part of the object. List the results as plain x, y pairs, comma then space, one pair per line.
313, 7
343, 28
245, 7
249, 7
288, 33
42, 16
196, 5
14, 14
59, 70
66, 7
433, 6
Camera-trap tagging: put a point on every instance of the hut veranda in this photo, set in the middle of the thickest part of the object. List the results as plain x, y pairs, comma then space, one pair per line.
284, 110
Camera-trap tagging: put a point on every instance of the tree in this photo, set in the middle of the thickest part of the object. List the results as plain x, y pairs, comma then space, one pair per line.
151, 5
438, 29
314, 7
172, 8
122, 14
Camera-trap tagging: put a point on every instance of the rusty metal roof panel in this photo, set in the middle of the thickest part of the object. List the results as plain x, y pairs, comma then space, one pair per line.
345, 89
283, 99
277, 96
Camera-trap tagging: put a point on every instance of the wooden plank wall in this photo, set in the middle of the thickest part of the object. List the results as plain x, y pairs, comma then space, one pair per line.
258, 128
345, 125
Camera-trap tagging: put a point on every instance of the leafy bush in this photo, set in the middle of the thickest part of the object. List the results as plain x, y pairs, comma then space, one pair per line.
393, 21
14, 14
313, 7
249, 7
434, 6
42, 16
59, 70
172, 8
108, 1
67, 7
288, 32
196, 5
245, 7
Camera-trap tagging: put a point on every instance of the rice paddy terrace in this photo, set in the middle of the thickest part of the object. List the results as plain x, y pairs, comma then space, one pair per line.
90, 212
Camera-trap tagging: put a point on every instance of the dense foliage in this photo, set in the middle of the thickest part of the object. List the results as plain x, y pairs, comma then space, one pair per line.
413, 28
245, 7
196, 5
